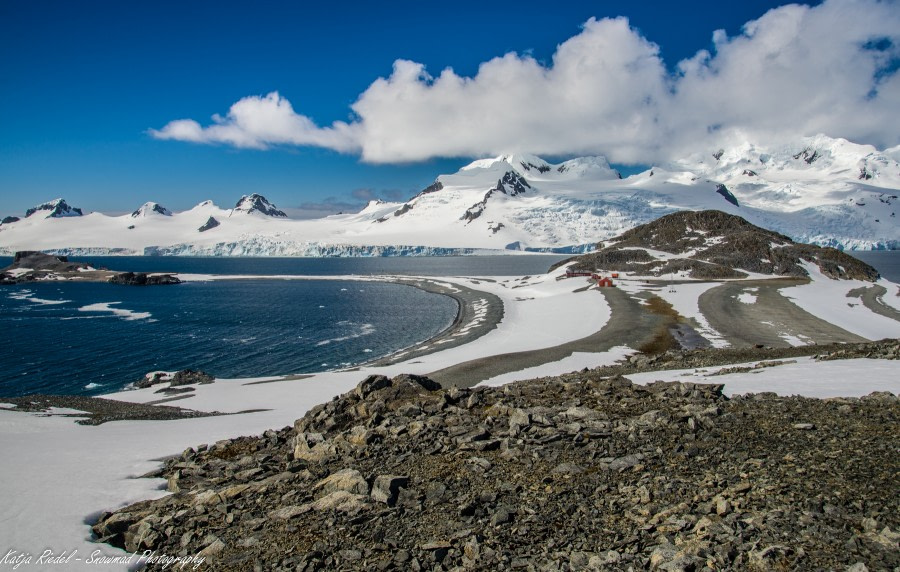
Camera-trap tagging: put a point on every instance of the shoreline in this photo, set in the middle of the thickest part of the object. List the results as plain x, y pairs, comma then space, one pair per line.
543, 319
631, 322
478, 312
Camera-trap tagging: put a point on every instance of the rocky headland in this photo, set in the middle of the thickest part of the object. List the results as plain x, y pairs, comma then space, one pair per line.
31, 266
584, 471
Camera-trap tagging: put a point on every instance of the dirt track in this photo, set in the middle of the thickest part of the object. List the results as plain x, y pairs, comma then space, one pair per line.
630, 324
873, 299
771, 321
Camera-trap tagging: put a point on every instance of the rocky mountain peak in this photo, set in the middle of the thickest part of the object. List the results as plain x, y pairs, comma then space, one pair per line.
151, 209
258, 203
57, 208
512, 184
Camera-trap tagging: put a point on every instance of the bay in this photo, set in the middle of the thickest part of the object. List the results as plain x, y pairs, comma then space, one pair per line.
495, 265
90, 338
887, 262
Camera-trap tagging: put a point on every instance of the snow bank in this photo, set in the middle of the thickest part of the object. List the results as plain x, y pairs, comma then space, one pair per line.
807, 377
824, 296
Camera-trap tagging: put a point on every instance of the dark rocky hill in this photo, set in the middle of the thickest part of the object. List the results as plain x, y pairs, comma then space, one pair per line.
717, 245
578, 472
29, 266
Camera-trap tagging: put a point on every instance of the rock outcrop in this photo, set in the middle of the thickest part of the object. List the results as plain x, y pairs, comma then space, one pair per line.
713, 244
258, 203
179, 378
30, 265
143, 279
210, 224
577, 472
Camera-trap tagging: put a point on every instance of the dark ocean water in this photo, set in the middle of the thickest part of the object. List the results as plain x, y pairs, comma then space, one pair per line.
887, 262
512, 265
95, 338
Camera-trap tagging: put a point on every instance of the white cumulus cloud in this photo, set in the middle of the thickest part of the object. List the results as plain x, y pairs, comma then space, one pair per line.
260, 122
795, 71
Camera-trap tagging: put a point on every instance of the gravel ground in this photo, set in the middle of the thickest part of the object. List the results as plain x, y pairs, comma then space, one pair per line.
97, 410
872, 298
577, 472
763, 322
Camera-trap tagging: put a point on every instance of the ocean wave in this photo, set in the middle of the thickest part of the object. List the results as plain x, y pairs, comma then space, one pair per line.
123, 313
362, 330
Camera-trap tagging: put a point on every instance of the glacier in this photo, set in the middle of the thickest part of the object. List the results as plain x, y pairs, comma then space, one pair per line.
820, 190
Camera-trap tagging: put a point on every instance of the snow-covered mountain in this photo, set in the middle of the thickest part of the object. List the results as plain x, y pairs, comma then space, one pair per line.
151, 209
257, 203
819, 190
56, 208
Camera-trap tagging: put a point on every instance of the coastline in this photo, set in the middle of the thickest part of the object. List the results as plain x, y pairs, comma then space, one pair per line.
478, 312
543, 317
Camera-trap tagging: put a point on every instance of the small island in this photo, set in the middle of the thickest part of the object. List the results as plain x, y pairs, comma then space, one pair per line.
31, 266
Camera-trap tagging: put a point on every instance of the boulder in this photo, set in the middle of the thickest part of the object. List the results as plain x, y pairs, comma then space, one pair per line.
386, 488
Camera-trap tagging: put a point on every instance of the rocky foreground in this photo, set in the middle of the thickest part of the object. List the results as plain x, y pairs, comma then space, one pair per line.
578, 472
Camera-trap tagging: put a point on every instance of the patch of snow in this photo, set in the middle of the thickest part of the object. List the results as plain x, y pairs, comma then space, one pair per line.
826, 297
807, 377
16, 272
574, 362
794, 340
747, 296
64, 411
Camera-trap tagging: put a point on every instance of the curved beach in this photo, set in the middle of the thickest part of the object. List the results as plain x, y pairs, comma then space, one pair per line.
506, 328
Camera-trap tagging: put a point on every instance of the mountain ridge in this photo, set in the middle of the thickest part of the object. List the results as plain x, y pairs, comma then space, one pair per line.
817, 190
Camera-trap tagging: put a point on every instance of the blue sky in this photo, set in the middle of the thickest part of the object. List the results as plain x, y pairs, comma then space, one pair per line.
84, 84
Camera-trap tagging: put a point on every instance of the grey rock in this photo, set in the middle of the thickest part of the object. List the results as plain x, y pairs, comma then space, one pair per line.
349, 480
503, 515
386, 487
